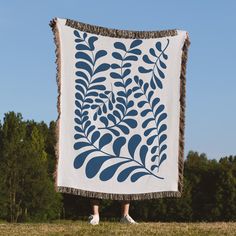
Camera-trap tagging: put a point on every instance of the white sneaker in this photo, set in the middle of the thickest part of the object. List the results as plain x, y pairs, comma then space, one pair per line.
127, 220
94, 219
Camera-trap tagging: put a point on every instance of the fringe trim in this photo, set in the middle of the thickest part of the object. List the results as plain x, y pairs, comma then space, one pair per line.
114, 196
182, 112
119, 33
53, 25
123, 34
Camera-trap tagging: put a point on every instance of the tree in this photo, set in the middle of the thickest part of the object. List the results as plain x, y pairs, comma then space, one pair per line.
27, 191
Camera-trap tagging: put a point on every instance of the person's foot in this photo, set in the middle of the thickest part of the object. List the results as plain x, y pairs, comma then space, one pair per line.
94, 219
127, 220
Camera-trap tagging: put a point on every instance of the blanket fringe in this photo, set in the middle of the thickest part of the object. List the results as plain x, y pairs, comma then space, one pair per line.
53, 25
123, 34
119, 33
182, 112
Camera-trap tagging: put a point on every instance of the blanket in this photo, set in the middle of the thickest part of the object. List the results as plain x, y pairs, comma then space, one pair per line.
121, 111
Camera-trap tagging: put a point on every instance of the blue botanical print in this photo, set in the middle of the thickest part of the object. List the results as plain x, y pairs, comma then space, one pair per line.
156, 114
121, 118
157, 63
92, 94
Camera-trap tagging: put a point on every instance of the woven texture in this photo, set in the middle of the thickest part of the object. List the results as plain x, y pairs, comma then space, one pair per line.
121, 111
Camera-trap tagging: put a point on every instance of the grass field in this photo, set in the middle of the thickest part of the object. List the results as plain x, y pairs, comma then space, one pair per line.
111, 228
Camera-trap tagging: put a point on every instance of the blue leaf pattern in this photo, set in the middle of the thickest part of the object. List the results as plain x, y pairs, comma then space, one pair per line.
116, 112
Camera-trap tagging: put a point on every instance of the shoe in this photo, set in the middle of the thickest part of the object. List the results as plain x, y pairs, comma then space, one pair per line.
127, 220
93, 219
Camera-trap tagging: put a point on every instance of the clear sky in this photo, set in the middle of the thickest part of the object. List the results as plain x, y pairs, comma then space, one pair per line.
28, 72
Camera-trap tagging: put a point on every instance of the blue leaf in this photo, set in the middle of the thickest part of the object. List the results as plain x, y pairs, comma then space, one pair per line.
82, 47
124, 174
115, 66
108, 172
120, 45
82, 74
102, 67
98, 80
162, 64
159, 110
78, 136
76, 33
126, 72
148, 131
151, 139
145, 123
126, 65
79, 160
124, 129
119, 84
145, 87
115, 75
99, 54
162, 138
151, 50
121, 108
79, 145
82, 82
158, 82
94, 165
130, 122
95, 136
132, 112
141, 103
91, 41
163, 148
115, 132
137, 95
136, 43
143, 153
104, 120
163, 157
133, 143
84, 66
128, 81
78, 96
150, 94
111, 118
138, 175
145, 112
162, 129
104, 140
131, 58
153, 85
143, 70
154, 148
162, 75
158, 46
136, 51
165, 56
155, 102
117, 145
117, 114
90, 129
161, 118
117, 56
147, 60
98, 87
84, 56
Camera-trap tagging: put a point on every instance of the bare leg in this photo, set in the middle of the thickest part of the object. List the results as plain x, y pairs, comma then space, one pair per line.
95, 206
125, 208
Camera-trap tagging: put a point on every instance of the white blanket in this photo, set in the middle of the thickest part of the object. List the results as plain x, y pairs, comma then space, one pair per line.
121, 103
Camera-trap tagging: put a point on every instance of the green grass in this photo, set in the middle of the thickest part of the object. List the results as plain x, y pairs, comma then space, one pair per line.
116, 228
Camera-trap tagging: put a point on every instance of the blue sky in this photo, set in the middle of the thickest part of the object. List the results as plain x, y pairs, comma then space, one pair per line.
27, 68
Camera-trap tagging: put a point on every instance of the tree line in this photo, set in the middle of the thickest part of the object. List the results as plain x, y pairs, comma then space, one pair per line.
27, 164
